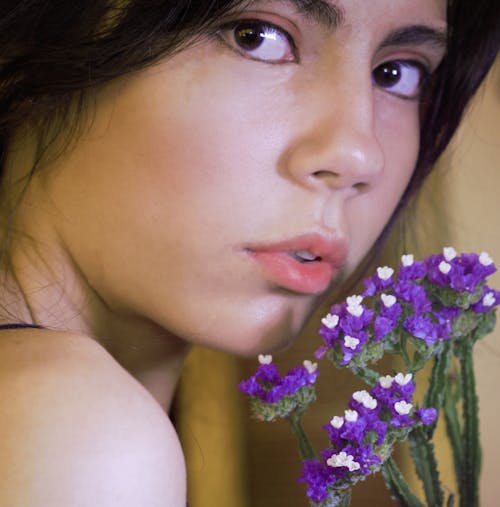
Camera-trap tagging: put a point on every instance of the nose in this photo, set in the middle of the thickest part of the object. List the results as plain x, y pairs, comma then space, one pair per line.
337, 146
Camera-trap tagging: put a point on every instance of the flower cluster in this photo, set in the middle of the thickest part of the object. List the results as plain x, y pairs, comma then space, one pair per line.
363, 437
431, 309
427, 302
274, 396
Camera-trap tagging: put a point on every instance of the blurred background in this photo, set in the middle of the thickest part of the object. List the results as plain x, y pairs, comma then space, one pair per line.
235, 461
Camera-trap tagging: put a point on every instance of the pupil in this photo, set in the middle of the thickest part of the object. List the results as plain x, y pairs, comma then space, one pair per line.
249, 36
387, 75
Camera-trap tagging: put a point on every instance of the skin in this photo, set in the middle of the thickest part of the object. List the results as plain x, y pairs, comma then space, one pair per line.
138, 234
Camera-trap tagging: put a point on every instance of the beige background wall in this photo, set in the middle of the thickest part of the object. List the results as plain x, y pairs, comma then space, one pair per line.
473, 213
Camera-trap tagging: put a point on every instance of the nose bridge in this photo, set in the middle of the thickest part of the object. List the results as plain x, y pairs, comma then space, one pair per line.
338, 142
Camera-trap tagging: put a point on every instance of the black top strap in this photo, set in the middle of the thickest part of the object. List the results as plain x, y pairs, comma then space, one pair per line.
19, 326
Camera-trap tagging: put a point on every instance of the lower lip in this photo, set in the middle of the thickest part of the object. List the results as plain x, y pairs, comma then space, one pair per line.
306, 278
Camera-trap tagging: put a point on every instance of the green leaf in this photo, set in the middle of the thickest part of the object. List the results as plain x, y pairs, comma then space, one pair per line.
398, 487
422, 452
469, 485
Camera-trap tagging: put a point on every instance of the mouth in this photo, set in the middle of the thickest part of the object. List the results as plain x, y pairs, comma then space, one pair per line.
305, 264
304, 256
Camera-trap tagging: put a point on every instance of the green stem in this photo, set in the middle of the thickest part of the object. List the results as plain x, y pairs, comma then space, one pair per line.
469, 485
435, 395
366, 374
404, 355
306, 450
345, 498
453, 431
398, 487
422, 452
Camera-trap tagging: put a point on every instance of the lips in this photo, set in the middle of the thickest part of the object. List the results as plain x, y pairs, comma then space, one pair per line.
305, 264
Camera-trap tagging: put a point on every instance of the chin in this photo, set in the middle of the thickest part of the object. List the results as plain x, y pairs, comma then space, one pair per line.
272, 338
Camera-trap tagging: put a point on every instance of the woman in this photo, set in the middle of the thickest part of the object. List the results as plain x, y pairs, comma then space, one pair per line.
178, 173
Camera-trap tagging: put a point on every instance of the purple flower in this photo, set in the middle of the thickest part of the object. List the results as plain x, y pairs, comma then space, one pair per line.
489, 299
470, 270
427, 415
365, 405
390, 308
421, 327
401, 411
411, 269
351, 461
444, 318
317, 478
351, 346
330, 326
438, 270
268, 385
389, 390
365, 456
461, 273
413, 294
352, 324
382, 326
351, 428
380, 281
383, 391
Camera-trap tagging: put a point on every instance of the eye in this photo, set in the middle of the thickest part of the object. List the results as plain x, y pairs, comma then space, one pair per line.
403, 78
259, 40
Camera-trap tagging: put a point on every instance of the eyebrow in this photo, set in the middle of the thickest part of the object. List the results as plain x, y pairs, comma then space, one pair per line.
324, 12
416, 35
330, 15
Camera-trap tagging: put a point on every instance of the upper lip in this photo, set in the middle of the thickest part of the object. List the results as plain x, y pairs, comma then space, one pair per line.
328, 249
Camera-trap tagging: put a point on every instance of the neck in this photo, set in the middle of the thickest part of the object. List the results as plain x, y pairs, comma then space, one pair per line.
45, 285
45, 288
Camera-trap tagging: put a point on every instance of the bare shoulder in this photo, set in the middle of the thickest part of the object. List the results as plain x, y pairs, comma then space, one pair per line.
77, 429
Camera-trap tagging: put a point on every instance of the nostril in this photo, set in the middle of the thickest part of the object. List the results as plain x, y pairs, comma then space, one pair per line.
361, 187
322, 173
338, 179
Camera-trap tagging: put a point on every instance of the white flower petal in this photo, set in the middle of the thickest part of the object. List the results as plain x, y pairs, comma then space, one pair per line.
337, 422
360, 396
330, 321
265, 359
351, 342
402, 407
385, 272
489, 299
444, 267
485, 259
354, 300
310, 366
351, 415
449, 253
407, 260
388, 300
386, 382
355, 310
403, 379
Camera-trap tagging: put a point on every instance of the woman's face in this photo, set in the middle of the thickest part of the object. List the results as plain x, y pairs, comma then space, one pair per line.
221, 192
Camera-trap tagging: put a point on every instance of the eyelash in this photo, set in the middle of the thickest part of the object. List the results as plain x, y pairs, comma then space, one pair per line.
259, 31
401, 66
228, 31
